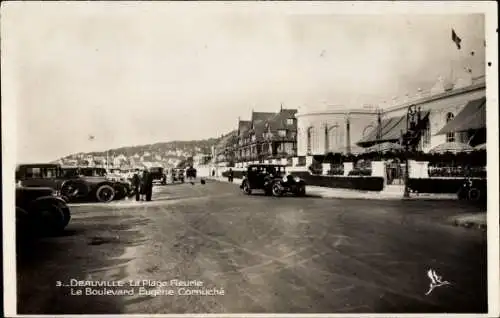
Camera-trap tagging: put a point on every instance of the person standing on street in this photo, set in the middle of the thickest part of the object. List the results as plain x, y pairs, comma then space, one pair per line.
136, 185
230, 175
147, 180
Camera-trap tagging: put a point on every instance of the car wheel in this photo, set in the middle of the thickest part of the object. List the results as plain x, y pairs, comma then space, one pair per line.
276, 189
73, 190
105, 193
49, 218
120, 192
474, 194
246, 188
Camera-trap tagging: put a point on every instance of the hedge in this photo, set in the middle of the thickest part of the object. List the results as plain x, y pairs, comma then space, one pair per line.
355, 182
451, 185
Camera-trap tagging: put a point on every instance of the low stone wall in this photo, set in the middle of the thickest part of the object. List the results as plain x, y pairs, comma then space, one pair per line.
343, 182
443, 185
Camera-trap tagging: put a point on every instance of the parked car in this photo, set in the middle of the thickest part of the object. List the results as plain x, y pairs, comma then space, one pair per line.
158, 175
74, 183
177, 175
273, 179
39, 210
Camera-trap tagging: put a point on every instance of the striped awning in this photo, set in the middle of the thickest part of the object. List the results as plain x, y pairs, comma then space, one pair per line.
390, 130
384, 147
453, 147
472, 117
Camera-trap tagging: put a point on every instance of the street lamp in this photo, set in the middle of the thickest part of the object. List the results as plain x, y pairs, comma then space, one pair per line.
412, 121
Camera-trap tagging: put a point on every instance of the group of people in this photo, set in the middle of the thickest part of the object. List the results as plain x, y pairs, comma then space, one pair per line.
142, 184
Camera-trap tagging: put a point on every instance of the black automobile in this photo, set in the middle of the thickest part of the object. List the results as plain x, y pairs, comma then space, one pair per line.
273, 179
158, 175
40, 210
74, 183
177, 175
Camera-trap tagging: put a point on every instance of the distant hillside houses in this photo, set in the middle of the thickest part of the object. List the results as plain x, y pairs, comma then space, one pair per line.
168, 154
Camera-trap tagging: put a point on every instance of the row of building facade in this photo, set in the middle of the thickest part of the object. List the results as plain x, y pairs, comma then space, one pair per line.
448, 113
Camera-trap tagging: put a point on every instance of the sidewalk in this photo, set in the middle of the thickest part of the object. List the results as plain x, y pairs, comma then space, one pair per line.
389, 193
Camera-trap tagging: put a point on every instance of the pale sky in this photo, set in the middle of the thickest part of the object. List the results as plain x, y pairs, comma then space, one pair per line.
131, 74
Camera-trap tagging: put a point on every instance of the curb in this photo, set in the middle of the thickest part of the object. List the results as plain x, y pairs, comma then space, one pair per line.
351, 194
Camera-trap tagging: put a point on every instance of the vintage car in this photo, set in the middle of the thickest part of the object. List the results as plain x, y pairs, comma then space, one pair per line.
40, 211
158, 175
74, 183
273, 179
177, 175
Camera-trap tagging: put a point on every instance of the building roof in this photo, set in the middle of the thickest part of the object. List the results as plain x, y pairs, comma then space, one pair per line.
472, 117
258, 117
244, 126
272, 121
279, 120
226, 140
258, 123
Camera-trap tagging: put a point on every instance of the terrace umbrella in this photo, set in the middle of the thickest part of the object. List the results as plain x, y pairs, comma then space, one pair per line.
480, 147
384, 147
453, 147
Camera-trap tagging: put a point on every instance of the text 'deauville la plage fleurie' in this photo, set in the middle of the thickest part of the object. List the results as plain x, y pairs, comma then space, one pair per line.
146, 287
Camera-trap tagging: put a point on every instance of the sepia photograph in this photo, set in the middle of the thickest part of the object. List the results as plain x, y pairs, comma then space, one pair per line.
250, 158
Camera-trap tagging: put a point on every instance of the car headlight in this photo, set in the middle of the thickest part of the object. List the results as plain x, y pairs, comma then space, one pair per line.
285, 179
296, 179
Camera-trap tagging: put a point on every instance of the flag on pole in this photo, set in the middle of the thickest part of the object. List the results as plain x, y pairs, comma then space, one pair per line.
456, 39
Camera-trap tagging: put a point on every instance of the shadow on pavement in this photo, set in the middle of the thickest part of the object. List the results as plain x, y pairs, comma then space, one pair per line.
90, 247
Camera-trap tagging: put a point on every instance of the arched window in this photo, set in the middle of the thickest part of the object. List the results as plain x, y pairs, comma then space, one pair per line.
333, 133
368, 129
450, 137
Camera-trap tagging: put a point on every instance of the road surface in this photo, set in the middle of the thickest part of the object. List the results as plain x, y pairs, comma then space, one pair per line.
255, 254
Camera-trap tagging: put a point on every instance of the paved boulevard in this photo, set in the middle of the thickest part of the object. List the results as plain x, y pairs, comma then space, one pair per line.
304, 255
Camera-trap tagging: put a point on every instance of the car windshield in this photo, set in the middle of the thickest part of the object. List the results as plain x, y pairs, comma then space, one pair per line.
90, 172
275, 170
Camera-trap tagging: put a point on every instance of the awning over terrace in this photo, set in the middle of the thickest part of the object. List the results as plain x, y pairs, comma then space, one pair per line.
390, 130
472, 117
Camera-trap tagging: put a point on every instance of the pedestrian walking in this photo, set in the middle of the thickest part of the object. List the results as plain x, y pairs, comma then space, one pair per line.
230, 175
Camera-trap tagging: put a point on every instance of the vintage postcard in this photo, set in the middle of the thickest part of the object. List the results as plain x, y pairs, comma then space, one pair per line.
250, 158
